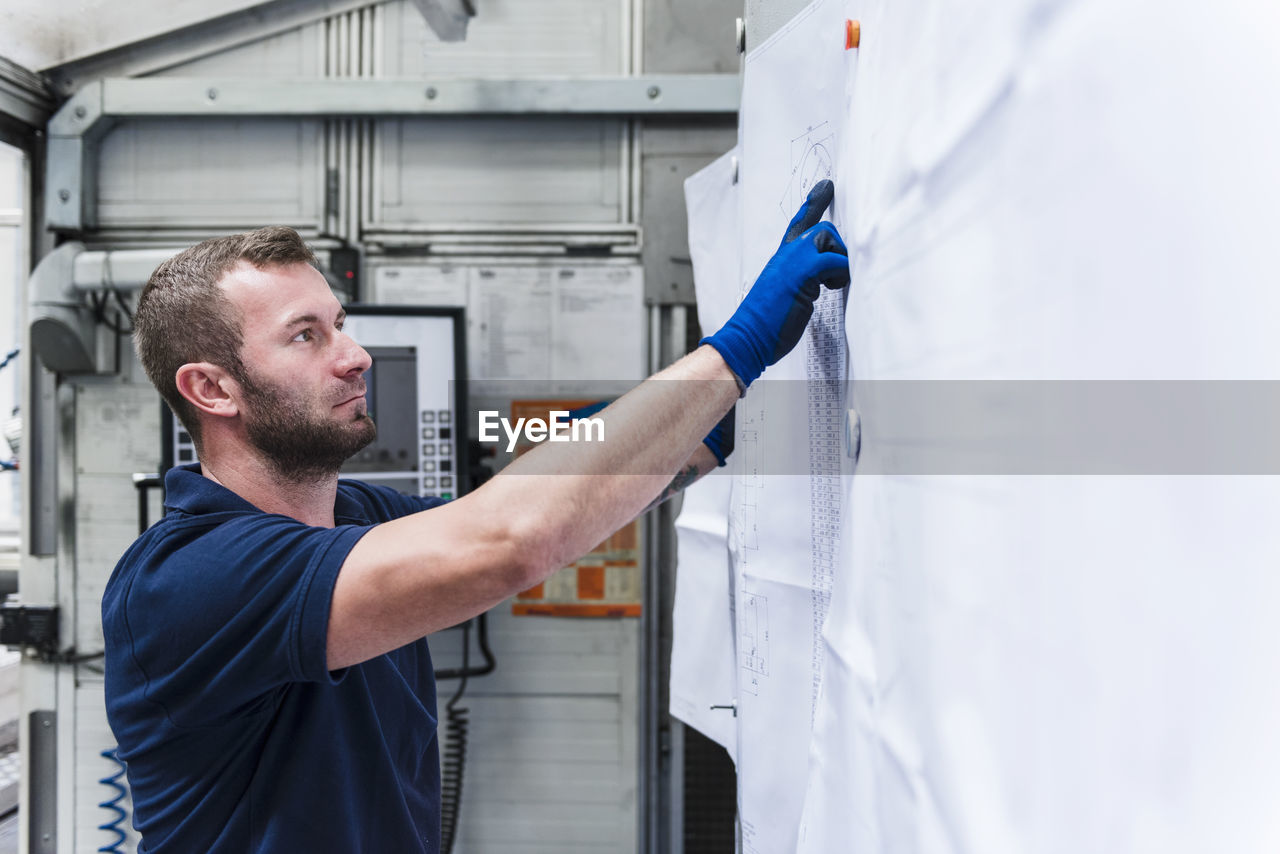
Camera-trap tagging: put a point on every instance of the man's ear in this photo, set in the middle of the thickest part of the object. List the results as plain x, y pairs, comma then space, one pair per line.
208, 388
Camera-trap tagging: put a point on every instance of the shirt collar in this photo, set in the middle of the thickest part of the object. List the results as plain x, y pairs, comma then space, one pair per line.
187, 490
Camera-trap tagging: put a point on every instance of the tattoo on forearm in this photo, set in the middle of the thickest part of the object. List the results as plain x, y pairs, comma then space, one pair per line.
683, 478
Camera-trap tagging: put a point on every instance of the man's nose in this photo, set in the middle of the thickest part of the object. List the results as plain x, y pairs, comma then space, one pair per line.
354, 359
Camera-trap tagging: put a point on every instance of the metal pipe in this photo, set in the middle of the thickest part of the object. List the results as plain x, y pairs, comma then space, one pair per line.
62, 329
121, 269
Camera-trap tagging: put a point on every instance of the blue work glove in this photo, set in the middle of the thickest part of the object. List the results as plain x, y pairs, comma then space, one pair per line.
721, 438
772, 317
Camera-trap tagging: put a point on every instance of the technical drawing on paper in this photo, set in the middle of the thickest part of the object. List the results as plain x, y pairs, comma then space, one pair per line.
748, 508
753, 640
750, 479
812, 156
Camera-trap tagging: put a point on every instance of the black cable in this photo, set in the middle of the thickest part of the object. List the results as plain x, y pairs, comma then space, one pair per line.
124, 306
143, 484
482, 637
72, 657
485, 669
88, 656
455, 752
98, 302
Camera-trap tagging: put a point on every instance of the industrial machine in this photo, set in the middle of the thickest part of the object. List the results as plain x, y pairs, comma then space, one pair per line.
523, 187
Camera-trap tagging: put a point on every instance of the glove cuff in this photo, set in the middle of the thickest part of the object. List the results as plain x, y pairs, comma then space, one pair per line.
721, 439
726, 351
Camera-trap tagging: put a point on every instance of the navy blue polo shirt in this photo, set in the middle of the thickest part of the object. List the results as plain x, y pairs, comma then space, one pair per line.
236, 736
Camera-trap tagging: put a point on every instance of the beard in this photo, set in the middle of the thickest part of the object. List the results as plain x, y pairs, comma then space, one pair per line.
298, 445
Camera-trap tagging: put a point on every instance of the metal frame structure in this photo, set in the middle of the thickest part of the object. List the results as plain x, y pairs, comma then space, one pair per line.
86, 117
26, 103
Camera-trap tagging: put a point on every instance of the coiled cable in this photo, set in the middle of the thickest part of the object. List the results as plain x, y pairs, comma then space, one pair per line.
112, 804
455, 753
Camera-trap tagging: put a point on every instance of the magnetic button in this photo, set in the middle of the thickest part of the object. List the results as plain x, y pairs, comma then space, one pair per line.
852, 434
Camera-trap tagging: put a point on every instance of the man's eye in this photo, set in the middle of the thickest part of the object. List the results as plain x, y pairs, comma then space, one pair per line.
303, 336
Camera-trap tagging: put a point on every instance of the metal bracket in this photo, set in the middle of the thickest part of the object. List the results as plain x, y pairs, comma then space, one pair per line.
89, 114
26, 101
42, 779
33, 627
70, 200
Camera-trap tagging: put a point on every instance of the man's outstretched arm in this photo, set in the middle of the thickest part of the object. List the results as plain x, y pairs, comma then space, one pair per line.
424, 572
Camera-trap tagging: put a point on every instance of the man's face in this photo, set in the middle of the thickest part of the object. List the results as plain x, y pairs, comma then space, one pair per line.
303, 403
299, 438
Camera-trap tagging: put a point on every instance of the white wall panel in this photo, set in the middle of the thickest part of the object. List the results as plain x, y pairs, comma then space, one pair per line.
548, 773
510, 37
551, 759
227, 173
295, 53
106, 524
117, 434
511, 170
447, 171
547, 655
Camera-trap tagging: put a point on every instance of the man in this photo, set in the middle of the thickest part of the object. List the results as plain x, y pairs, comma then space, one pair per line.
266, 674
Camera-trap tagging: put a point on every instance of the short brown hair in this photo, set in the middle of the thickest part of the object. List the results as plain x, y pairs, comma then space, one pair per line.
184, 316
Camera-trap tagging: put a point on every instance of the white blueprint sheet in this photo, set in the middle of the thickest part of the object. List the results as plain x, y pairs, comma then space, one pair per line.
1050, 663
555, 322
569, 325
508, 314
1030, 190
597, 326
420, 284
785, 522
703, 673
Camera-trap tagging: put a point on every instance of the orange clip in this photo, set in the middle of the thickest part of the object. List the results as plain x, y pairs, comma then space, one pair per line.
852, 34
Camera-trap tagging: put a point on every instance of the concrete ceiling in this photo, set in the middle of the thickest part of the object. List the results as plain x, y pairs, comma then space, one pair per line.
40, 34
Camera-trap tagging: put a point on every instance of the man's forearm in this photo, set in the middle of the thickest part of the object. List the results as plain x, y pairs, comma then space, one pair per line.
581, 492
700, 462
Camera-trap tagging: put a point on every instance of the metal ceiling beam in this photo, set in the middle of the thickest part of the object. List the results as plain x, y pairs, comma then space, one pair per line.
40, 34
75, 129
26, 102
179, 47
186, 97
